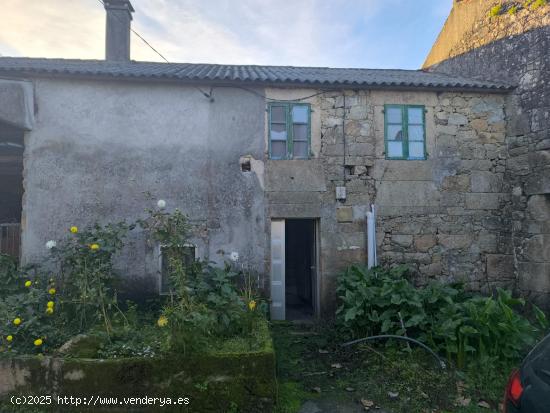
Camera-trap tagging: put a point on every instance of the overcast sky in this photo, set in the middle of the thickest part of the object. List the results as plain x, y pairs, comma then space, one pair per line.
337, 33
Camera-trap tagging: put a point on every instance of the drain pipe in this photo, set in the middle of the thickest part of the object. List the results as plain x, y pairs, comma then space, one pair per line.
372, 259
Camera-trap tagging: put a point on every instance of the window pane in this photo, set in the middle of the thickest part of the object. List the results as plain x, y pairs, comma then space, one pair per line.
415, 116
278, 114
299, 114
300, 132
188, 255
278, 149
416, 149
393, 115
395, 149
300, 150
278, 132
395, 133
416, 133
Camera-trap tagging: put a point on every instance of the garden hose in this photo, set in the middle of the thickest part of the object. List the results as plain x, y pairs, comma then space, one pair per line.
440, 362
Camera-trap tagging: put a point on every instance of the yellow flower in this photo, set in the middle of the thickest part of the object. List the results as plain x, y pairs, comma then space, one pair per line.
162, 321
9, 338
94, 247
49, 310
51, 291
252, 305
17, 321
74, 229
28, 283
38, 342
50, 304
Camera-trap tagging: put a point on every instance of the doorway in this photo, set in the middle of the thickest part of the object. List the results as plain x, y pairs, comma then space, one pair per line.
11, 188
294, 269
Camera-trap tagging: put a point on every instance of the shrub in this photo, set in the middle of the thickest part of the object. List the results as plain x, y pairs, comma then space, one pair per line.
205, 303
87, 275
495, 10
461, 325
29, 318
538, 3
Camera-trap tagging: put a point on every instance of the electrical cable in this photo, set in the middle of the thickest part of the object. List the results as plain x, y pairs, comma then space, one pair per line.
142, 38
441, 363
209, 96
277, 100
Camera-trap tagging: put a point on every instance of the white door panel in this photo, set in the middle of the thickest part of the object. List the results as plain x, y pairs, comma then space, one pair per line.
278, 269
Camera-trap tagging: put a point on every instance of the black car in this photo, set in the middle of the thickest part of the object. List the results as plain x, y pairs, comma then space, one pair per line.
528, 389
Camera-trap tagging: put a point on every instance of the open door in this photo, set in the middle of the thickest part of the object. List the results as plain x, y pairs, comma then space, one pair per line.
294, 269
278, 269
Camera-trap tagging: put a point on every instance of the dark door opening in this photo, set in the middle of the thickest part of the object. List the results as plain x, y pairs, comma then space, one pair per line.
300, 268
11, 188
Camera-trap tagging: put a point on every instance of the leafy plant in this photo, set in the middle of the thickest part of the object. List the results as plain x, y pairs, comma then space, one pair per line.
495, 10
29, 320
538, 3
135, 335
204, 303
460, 325
87, 275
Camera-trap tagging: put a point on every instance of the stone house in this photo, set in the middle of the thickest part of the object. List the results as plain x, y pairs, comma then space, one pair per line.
279, 164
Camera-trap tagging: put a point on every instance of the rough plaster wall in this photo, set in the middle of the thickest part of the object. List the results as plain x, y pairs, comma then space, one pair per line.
520, 56
98, 146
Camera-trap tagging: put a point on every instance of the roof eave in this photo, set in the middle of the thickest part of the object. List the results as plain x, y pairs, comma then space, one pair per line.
29, 74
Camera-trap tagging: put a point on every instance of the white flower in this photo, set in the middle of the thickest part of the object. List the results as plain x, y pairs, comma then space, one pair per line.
161, 203
234, 256
51, 244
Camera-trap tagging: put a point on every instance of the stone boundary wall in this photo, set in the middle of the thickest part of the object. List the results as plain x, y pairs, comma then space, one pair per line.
470, 26
213, 383
515, 48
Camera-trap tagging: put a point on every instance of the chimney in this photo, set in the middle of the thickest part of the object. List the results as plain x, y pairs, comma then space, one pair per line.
117, 38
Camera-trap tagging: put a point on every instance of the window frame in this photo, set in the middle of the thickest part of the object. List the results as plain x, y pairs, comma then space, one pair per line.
405, 131
289, 123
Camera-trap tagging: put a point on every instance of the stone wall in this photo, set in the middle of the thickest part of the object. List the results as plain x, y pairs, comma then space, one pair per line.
443, 215
515, 48
471, 25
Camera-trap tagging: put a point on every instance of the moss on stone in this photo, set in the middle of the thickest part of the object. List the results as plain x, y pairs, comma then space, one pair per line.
216, 381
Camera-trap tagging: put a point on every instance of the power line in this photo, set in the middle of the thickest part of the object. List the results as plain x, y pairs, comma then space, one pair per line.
148, 44
207, 95
281, 100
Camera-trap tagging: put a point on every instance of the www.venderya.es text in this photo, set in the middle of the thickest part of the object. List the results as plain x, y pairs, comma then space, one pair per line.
99, 401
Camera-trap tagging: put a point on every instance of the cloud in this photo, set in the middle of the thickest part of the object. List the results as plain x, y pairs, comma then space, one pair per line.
52, 28
284, 32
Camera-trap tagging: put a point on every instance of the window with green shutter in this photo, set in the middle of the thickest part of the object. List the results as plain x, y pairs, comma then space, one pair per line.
289, 130
405, 132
